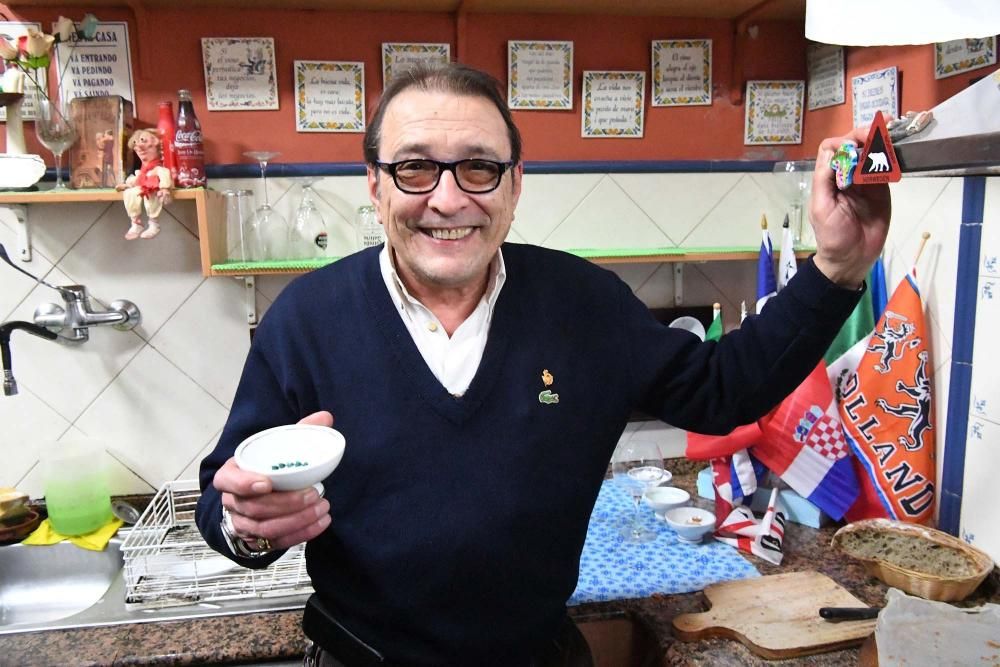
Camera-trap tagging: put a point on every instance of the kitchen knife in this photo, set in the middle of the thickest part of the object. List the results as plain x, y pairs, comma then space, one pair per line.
835, 614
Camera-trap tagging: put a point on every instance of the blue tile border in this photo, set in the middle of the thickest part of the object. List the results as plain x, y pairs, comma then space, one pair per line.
963, 339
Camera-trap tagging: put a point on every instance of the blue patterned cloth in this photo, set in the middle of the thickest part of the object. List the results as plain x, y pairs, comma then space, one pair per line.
612, 569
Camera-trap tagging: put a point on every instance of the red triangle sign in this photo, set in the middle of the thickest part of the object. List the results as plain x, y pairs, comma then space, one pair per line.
877, 163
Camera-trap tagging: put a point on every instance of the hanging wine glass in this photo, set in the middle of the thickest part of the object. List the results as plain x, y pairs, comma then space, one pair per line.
269, 229
55, 131
309, 234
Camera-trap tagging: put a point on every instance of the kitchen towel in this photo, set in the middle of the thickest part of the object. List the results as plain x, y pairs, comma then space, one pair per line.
613, 569
95, 540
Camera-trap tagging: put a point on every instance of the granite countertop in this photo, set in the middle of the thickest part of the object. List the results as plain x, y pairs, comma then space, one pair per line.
277, 636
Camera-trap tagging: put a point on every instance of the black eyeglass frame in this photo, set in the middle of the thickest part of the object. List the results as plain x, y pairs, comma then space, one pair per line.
392, 167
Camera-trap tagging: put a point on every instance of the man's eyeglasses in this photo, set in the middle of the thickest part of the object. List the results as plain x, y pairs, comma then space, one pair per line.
420, 176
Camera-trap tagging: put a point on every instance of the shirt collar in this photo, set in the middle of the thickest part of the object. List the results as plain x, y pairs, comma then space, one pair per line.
401, 296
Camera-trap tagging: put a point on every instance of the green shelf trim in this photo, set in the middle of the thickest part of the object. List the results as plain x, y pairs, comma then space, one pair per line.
276, 265
735, 249
587, 253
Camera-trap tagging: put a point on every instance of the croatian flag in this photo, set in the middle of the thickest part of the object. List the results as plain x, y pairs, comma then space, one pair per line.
804, 444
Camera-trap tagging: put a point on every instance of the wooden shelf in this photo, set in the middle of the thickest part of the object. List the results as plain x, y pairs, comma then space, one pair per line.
209, 208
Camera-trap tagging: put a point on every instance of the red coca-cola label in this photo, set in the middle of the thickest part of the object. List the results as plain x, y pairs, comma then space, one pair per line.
190, 159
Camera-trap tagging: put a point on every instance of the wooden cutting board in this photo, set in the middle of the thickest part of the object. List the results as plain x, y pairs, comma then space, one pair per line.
777, 616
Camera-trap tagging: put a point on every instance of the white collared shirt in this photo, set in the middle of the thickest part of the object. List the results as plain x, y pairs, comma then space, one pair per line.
454, 360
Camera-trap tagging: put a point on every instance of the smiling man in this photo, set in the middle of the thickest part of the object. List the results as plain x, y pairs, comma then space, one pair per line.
482, 387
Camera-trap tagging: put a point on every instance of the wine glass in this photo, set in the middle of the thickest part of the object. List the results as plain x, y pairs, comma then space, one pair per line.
794, 184
309, 237
637, 465
269, 229
55, 131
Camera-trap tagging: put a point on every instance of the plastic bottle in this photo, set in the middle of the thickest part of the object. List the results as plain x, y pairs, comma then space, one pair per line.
188, 145
166, 129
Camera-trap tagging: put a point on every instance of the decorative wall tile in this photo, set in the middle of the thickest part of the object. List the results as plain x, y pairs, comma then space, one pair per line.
984, 399
990, 242
735, 219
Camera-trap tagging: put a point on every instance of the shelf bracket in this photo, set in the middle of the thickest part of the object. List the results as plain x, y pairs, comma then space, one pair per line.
250, 294
678, 283
22, 230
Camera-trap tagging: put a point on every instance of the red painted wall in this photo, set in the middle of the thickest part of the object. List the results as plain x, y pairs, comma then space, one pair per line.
166, 53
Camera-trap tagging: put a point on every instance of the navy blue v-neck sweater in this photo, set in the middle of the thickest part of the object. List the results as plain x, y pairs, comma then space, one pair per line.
458, 522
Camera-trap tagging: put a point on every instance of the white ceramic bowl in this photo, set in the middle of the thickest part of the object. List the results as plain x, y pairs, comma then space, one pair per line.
690, 523
293, 456
663, 498
689, 324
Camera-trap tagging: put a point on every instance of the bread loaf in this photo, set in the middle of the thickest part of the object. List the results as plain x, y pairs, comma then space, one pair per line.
908, 551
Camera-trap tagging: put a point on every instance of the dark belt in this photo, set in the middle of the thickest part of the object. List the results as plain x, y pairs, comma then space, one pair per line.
340, 646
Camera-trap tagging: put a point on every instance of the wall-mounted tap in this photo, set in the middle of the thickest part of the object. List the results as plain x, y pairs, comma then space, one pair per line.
6, 329
76, 314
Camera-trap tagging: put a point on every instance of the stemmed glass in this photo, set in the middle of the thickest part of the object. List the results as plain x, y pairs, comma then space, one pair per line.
794, 183
637, 465
309, 237
55, 131
269, 230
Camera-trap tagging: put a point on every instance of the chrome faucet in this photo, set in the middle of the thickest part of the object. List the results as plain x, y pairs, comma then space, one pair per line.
76, 314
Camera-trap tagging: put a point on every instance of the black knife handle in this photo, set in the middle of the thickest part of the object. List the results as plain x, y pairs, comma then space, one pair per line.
848, 613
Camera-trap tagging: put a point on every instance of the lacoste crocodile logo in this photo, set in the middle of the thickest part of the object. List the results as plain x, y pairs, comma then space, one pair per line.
547, 397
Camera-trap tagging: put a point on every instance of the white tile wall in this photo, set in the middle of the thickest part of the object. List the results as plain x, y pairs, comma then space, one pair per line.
978, 522
159, 395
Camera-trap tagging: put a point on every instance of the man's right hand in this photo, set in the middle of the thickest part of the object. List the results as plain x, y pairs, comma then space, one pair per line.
285, 518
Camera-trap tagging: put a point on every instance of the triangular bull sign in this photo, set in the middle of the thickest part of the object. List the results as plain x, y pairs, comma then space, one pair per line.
877, 163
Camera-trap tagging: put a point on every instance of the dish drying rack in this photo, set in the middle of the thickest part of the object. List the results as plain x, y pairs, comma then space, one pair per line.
168, 563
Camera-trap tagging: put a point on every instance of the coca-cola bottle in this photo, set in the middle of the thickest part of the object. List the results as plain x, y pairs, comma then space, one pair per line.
188, 144
166, 128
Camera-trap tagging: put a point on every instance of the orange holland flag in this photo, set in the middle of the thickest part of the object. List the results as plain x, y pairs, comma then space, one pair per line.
887, 412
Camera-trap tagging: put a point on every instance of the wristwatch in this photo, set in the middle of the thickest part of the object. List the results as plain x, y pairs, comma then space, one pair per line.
237, 544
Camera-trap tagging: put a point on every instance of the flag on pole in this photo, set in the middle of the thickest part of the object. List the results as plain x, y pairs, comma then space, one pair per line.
876, 283
803, 443
767, 286
786, 259
714, 331
887, 411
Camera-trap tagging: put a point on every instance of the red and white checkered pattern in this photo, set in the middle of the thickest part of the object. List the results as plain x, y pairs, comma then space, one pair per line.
827, 438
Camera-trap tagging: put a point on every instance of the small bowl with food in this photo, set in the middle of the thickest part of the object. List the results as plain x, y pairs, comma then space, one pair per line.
663, 498
293, 457
691, 524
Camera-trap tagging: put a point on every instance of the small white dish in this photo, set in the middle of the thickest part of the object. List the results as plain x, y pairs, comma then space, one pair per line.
294, 456
690, 523
663, 498
689, 324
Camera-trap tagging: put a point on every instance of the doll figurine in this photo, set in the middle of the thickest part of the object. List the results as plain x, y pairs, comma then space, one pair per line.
150, 186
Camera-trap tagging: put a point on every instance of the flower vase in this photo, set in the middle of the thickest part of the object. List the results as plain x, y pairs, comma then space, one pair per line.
15, 124
18, 170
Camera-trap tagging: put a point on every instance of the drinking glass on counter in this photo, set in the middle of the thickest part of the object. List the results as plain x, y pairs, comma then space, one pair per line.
637, 466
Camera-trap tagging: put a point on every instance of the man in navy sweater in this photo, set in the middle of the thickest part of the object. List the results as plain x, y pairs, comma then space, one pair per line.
482, 387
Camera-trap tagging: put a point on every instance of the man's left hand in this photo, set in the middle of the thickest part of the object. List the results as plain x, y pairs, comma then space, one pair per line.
850, 225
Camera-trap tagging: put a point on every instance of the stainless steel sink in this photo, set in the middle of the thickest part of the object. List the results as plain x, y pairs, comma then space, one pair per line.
39, 584
64, 586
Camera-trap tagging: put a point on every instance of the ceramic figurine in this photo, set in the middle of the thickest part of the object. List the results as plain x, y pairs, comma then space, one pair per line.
150, 186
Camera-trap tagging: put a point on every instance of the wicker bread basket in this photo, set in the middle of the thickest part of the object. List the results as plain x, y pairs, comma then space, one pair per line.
924, 584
